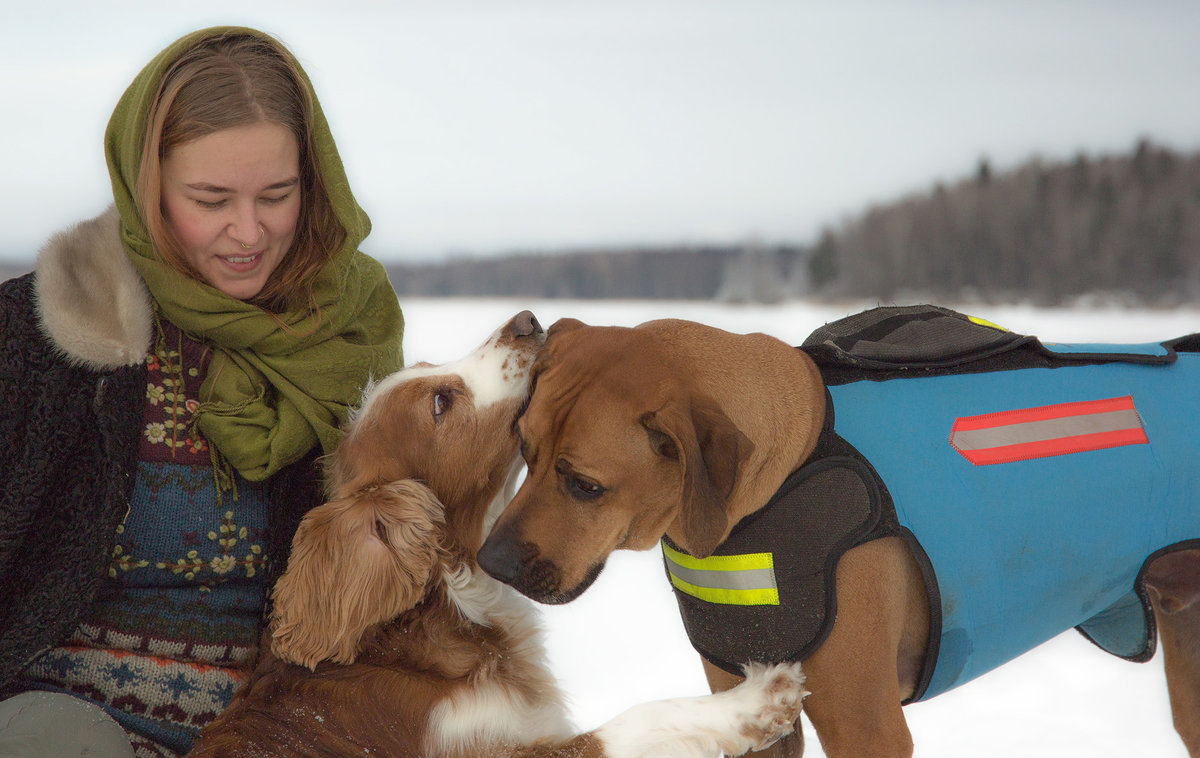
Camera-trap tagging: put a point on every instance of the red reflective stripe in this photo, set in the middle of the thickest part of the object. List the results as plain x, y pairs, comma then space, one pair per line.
1066, 444
1044, 413
1048, 448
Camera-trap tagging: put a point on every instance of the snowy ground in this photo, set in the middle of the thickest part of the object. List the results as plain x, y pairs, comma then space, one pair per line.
622, 642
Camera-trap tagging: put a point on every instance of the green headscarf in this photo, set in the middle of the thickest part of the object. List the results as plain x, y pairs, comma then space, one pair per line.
271, 392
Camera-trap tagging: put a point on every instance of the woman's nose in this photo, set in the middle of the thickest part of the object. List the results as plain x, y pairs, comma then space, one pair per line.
246, 229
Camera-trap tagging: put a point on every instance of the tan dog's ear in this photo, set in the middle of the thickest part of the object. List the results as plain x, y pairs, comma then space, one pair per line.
562, 326
711, 450
356, 561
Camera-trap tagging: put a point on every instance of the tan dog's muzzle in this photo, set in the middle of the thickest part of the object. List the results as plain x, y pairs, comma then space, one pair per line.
506, 557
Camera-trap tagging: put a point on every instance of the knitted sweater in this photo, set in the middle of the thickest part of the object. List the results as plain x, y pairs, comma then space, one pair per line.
165, 645
73, 339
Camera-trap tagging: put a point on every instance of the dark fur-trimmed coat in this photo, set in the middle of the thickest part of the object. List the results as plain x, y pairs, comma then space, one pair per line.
74, 335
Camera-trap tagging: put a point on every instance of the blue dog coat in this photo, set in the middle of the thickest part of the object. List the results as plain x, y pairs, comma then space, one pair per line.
1033, 481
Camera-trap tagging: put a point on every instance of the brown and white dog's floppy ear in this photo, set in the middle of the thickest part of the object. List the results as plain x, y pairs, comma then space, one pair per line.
711, 450
356, 561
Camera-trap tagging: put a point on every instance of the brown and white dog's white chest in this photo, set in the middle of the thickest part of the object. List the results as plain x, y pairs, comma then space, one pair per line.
501, 708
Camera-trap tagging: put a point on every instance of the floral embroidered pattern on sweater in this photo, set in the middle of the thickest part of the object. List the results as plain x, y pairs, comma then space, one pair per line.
208, 571
177, 475
175, 368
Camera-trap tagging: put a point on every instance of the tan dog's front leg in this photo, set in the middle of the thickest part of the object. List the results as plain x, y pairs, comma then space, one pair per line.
857, 712
863, 671
791, 746
869, 663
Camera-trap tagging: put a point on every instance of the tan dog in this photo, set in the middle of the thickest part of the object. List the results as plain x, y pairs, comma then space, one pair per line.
678, 429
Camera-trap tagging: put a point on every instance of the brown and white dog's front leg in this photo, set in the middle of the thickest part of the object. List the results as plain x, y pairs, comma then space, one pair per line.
751, 716
788, 746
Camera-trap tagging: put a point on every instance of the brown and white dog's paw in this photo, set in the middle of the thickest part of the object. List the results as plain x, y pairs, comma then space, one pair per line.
774, 696
751, 716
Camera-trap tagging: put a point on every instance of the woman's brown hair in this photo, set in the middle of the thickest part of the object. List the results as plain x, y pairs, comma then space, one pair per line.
236, 79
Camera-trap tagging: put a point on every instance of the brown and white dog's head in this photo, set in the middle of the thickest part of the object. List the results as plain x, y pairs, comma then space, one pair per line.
620, 449
429, 453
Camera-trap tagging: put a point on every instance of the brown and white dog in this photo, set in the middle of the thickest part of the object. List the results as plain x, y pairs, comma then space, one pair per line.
386, 639
678, 429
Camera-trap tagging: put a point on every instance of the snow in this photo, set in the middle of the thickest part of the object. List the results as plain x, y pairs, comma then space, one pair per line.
622, 641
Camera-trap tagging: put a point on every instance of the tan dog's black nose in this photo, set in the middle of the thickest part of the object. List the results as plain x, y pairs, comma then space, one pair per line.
525, 324
501, 556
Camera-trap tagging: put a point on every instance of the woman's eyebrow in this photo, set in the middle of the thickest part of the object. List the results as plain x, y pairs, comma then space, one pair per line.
206, 187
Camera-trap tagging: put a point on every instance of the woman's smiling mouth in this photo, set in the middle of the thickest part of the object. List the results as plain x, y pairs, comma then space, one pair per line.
241, 262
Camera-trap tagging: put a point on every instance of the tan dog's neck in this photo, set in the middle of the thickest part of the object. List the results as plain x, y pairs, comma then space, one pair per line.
770, 390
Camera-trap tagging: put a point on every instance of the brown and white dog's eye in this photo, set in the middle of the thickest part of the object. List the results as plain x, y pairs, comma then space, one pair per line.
442, 400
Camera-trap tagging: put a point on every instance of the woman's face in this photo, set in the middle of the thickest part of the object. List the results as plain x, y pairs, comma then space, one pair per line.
232, 199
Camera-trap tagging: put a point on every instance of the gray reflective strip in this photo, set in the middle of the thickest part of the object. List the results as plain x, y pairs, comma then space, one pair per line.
1050, 429
741, 579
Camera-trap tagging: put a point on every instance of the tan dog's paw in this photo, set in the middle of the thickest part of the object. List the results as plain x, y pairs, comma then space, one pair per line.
775, 696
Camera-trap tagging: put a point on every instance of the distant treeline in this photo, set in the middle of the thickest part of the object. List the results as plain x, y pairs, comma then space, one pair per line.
672, 273
13, 270
1125, 226
1128, 226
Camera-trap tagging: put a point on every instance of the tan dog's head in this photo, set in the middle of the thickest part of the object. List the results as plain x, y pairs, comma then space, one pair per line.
429, 454
620, 450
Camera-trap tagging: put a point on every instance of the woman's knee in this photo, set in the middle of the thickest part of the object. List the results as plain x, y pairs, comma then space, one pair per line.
45, 724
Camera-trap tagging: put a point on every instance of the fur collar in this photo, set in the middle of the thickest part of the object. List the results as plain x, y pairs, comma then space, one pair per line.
91, 302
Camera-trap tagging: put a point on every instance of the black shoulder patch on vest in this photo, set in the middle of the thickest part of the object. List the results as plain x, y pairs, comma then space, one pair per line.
767, 594
899, 342
915, 336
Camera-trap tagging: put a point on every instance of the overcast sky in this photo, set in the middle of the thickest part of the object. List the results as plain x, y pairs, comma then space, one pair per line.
477, 127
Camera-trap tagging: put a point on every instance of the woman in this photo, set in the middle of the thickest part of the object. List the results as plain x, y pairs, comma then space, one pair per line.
170, 375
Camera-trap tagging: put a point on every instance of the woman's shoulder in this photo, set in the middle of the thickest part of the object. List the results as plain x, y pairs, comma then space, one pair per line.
90, 301
18, 312
17, 288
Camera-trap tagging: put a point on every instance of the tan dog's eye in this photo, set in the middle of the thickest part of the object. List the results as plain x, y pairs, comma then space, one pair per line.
584, 489
587, 488
577, 486
441, 404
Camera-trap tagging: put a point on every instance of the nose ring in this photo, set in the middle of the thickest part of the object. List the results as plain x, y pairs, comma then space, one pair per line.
261, 231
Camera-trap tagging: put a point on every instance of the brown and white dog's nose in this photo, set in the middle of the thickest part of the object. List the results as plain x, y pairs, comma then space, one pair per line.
525, 324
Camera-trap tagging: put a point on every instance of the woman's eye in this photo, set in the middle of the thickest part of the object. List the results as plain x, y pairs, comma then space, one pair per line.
276, 200
210, 204
441, 404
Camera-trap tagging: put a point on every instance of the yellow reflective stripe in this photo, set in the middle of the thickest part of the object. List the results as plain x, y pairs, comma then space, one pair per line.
721, 562
728, 597
727, 579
